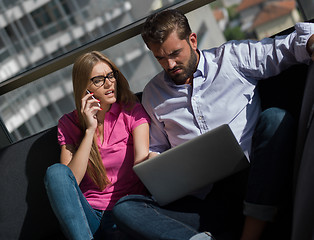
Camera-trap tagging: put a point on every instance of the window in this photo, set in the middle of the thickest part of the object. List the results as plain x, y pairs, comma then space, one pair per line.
1, 43
10, 3
10, 32
41, 17
50, 13
86, 20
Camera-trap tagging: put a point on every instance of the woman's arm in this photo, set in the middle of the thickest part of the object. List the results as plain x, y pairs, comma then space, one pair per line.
77, 159
141, 143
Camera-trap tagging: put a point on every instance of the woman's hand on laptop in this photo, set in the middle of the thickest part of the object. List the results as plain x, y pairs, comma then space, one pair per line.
152, 154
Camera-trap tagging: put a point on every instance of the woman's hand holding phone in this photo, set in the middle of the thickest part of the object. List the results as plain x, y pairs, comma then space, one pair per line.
90, 107
88, 92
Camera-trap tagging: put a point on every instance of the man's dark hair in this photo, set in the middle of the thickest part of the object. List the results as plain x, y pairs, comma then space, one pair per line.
159, 25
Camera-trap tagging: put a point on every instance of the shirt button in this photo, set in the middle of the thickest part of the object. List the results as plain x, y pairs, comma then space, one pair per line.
200, 117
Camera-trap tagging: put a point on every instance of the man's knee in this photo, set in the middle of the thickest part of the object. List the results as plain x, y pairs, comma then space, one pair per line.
276, 116
128, 208
274, 120
131, 201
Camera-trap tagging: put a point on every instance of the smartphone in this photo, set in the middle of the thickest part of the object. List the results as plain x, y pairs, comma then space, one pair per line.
92, 97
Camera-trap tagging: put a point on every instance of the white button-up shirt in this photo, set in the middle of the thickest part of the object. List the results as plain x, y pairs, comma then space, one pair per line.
223, 90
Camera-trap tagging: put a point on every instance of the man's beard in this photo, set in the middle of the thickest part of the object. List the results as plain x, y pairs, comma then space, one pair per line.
188, 70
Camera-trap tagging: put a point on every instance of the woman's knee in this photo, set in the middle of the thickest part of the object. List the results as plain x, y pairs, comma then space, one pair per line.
56, 173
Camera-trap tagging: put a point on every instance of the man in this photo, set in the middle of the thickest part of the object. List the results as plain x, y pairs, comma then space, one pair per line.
201, 90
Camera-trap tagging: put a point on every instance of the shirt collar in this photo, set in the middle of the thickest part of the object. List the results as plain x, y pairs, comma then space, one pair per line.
201, 67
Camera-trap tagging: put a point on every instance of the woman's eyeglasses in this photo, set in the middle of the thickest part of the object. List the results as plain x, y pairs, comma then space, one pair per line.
99, 81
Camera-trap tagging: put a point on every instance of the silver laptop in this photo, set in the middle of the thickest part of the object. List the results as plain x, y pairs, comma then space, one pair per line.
192, 165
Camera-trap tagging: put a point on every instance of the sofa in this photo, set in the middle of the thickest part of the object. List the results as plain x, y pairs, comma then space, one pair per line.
25, 212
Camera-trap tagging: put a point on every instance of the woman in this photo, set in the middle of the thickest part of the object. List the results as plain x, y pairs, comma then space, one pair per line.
100, 142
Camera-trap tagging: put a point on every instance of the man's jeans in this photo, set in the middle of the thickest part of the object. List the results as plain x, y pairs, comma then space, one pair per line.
221, 213
270, 177
77, 218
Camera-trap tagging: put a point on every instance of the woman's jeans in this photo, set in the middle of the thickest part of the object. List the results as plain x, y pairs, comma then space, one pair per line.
77, 218
221, 212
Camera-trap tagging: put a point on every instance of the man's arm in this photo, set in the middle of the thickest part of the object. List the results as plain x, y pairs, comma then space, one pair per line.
158, 137
310, 46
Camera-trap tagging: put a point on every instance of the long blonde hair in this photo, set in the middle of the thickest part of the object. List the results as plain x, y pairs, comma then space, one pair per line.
82, 69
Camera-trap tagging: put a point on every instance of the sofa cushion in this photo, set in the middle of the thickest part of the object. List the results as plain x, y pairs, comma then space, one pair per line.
25, 212
303, 220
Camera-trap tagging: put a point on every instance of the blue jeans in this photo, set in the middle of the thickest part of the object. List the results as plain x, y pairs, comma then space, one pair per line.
221, 212
142, 218
77, 218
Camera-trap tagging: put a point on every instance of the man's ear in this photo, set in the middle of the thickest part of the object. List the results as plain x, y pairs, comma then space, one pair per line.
193, 41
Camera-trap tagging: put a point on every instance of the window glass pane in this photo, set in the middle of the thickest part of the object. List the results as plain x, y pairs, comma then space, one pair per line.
10, 3
47, 99
60, 26
65, 7
26, 25
10, 32
55, 24
1, 44
4, 54
41, 17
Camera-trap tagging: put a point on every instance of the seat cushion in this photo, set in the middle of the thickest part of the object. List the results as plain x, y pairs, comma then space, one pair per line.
24, 206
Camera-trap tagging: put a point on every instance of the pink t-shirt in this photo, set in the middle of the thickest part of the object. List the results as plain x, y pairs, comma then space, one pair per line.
116, 151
